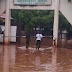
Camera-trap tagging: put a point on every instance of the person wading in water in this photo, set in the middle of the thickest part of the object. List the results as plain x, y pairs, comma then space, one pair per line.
39, 37
27, 39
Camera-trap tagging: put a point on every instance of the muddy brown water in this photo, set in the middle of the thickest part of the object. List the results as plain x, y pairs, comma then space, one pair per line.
16, 58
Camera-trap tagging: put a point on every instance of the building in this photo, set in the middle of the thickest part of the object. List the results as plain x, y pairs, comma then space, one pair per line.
64, 6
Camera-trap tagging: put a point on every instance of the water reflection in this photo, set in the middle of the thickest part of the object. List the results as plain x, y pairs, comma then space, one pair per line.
63, 42
1, 57
12, 57
16, 59
27, 59
37, 60
54, 59
64, 60
6, 59
32, 60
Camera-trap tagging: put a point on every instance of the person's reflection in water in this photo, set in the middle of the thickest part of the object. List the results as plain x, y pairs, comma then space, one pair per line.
37, 60
6, 59
54, 59
27, 57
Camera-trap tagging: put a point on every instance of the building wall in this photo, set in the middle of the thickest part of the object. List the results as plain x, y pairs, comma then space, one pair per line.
51, 7
15, 32
2, 6
12, 33
66, 9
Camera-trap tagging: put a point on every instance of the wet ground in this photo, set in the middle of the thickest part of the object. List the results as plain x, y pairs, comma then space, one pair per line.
16, 58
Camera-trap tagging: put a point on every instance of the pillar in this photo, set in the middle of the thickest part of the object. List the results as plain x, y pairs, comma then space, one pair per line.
7, 23
56, 23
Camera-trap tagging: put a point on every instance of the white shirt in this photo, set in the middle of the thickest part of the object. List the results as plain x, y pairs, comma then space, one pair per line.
39, 36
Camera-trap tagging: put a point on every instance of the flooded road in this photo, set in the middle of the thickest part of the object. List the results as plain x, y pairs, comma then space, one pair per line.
19, 59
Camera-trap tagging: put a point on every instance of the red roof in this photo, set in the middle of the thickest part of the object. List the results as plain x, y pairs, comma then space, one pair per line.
4, 16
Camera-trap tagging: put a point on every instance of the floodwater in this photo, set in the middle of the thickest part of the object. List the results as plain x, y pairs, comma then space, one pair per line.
16, 58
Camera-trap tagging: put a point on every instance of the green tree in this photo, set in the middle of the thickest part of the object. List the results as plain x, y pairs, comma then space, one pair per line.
30, 19
63, 23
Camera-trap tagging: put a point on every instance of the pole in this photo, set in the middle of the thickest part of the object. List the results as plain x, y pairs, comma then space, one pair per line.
7, 23
56, 23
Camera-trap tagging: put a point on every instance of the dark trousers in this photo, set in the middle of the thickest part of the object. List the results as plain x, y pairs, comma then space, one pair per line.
27, 43
38, 43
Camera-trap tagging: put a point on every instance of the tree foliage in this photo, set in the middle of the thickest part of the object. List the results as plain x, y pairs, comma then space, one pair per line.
30, 19
63, 23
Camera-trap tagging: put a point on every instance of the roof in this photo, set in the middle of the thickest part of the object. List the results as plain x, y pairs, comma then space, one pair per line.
4, 16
